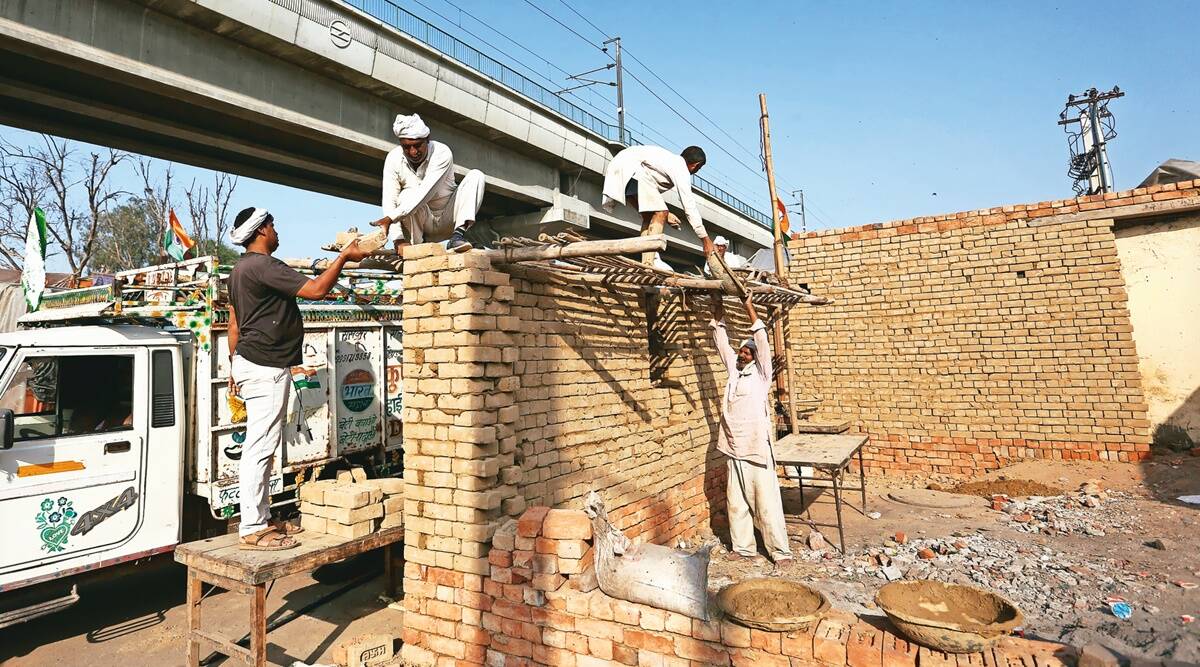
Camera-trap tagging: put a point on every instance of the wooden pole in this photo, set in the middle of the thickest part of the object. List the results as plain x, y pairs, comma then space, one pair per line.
785, 388
634, 245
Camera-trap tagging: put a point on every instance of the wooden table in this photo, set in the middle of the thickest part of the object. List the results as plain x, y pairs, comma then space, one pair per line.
829, 454
218, 561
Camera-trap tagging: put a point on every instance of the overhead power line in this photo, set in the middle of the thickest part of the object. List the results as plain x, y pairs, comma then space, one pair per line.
564, 25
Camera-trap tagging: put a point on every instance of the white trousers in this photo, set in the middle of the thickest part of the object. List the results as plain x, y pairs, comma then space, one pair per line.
265, 390
752, 499
425, 224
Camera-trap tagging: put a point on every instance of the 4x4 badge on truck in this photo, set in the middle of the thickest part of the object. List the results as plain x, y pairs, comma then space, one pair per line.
91, 519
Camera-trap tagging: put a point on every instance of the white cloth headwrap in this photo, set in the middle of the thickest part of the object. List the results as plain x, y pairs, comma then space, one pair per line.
242, 233
410, 127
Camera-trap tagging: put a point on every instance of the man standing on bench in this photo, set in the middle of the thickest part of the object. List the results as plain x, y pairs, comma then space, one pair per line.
266, 337
752, 489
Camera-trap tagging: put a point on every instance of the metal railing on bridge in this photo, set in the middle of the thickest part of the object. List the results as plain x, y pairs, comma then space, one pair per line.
443, 42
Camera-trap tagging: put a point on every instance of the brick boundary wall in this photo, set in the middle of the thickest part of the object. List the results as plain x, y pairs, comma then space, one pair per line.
971, 340
540, 605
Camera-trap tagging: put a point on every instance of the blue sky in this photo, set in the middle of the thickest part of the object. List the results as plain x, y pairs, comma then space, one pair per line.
875, 107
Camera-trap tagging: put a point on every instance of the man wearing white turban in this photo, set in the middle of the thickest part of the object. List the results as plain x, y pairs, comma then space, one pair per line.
419, 191
266, 333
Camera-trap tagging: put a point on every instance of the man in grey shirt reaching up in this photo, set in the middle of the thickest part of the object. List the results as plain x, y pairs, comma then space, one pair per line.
266, 336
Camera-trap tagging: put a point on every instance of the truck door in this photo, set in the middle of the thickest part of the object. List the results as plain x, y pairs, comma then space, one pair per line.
73, 486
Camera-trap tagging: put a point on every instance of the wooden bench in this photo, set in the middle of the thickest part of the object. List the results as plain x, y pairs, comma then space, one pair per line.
830, 455
218, 561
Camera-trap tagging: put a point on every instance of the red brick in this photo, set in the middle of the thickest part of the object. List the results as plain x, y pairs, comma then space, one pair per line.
765, 641
829, 642
897, 652
530, 523
927, 657
745, 657
704, 652
734, 635
865, 647
571, 548
474, 635
500, 558
545, 564
548, 582
600, 647
554, 657
625, 655
566, 525
596, 628
512, 645
545, 545
649, 641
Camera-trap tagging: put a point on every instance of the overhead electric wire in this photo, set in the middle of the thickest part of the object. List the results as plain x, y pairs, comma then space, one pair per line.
556, 20
757, 172
498, 50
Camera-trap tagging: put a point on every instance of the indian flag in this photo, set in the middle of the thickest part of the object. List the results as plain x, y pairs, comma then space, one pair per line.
176, 241
784, 225
33, 277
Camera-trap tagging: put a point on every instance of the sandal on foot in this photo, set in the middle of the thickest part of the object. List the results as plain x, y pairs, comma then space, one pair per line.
285, 528
267, 539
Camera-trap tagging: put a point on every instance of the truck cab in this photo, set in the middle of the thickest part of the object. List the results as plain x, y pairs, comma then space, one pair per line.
92, 457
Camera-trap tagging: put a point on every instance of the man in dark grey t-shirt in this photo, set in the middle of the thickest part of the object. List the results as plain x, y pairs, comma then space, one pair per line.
266, 335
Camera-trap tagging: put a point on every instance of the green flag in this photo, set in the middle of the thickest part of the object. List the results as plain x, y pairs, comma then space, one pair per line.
33, 277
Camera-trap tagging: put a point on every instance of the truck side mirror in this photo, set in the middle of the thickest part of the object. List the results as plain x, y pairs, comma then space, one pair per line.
6, 428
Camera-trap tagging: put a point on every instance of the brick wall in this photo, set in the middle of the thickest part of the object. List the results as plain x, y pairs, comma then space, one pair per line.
970, 340
520, 391
619, 401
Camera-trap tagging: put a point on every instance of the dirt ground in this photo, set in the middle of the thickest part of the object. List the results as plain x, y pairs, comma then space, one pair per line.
140, 618
1062, 580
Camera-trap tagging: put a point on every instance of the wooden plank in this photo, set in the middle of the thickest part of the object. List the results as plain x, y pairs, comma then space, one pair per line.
817, 449
223, 582
194, 597
222, 557
832, 428
221, 645
258, 627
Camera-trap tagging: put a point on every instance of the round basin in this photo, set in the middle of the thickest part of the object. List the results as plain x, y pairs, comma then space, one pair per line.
772, 604
948, 617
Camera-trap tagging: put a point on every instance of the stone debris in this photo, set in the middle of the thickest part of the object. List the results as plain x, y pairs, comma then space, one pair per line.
1091, 511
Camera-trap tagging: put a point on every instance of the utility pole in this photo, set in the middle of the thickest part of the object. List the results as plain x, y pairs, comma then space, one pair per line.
785, 389
1095, 129
803, 220
620, 88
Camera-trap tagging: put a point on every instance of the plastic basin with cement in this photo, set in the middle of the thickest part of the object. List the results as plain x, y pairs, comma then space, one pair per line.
948, 617
772, 604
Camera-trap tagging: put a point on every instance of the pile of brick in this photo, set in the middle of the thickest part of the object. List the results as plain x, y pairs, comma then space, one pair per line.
352, 506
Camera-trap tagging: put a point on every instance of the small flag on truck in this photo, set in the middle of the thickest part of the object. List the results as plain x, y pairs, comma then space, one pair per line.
33, 276
176, 241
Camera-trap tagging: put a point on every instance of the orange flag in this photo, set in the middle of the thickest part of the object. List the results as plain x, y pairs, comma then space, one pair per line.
784, 225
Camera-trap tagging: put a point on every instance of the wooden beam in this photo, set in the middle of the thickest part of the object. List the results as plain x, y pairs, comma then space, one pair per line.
628, 246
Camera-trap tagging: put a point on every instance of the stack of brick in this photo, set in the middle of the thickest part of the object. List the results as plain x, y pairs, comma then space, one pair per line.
352, 509
975, 339
459, 444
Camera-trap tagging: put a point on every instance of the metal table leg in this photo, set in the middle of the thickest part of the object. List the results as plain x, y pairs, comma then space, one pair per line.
389, 572
837, 501
862, 480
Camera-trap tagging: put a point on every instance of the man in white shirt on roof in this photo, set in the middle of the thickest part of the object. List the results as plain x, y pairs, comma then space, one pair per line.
419, 192
721, 246
639, 175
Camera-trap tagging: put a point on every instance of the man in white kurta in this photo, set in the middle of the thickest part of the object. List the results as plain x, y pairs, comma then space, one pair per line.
421, 202
639, 175
752, 490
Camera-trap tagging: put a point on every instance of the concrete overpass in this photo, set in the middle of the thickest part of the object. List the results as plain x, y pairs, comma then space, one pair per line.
303, 92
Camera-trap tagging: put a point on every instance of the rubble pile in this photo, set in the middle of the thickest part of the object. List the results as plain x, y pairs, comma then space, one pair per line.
1091, 511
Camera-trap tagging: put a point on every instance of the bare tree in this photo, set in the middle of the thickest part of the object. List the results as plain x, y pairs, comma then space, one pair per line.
49, 175
22, 187
209, 208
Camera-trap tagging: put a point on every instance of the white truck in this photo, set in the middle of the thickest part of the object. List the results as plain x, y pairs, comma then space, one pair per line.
116, 440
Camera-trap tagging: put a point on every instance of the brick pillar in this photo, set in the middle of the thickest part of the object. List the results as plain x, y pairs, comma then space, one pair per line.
459, 416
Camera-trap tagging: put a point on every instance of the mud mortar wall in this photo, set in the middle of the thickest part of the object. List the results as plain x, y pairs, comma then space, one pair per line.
966, 341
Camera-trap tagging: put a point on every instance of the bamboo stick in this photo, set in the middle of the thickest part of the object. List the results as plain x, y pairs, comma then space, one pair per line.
579, 249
